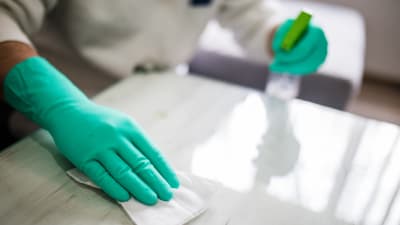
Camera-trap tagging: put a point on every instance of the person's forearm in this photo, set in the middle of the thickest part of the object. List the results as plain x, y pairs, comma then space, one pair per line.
270, 38
11, 53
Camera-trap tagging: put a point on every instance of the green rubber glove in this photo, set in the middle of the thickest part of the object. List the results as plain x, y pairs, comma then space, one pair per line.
101, 142
305, 57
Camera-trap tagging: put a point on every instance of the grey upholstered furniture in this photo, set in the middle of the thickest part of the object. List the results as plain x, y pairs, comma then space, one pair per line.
337, 81
334, 92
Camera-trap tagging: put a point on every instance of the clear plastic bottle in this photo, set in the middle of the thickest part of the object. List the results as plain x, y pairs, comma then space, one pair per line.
283, 86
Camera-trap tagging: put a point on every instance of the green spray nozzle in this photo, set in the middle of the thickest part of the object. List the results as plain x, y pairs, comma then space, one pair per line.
297, 29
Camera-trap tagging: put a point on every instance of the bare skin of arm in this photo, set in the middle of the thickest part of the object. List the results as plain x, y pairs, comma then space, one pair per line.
270, 36
11, 53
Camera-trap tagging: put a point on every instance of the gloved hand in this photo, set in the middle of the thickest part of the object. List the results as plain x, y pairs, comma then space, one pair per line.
103, 143
305, 57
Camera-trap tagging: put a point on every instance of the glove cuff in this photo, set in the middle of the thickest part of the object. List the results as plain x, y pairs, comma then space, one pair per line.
35, 88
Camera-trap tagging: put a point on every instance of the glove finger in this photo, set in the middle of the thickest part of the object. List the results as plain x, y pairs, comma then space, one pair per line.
310, 40
146, 171
144, 145
123, 174
101, 178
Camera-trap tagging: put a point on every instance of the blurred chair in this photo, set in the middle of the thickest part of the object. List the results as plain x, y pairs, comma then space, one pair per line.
335, 84
325, 90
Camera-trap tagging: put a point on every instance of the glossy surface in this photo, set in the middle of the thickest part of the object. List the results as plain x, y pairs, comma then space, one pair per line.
277, 163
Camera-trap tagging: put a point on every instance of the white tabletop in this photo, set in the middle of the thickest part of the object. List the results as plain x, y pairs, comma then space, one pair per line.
276, 163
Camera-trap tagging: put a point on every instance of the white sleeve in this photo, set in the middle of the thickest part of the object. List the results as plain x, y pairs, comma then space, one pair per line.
251, 21
19, 19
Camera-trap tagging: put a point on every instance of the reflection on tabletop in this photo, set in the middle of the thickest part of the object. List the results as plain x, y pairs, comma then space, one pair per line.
318, 166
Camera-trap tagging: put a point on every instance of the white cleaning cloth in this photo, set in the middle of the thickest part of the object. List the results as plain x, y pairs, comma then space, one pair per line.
189, 201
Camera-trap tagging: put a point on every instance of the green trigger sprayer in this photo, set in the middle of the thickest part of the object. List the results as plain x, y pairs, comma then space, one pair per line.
286, 86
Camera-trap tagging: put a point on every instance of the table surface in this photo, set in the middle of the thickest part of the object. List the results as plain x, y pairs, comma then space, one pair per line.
276, 163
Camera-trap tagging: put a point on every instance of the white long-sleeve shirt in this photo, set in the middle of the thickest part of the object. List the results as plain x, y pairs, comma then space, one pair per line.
119, 35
